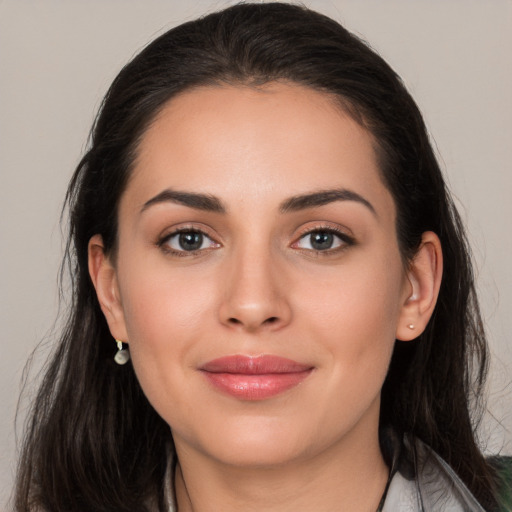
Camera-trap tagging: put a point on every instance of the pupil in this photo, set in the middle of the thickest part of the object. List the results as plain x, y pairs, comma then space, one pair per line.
191, 241
321, 241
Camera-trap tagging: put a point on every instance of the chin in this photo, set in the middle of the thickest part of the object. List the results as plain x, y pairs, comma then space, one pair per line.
250, 442
258, 453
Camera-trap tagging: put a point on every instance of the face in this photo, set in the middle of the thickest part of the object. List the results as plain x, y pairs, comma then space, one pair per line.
258, 279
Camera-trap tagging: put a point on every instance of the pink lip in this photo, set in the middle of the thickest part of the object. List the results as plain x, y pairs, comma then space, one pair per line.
255, 378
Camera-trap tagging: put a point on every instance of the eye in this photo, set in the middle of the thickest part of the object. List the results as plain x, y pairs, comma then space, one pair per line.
323, 240
188, 240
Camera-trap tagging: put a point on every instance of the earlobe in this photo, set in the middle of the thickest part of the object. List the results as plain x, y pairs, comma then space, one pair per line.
104, 278
424, 281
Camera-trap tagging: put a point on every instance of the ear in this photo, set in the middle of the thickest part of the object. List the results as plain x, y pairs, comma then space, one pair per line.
424, 280
104, 277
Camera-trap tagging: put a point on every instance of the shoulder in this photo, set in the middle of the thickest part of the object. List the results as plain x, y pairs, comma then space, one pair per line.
423, 481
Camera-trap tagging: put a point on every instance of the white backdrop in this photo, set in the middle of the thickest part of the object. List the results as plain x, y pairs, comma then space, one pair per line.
57, 58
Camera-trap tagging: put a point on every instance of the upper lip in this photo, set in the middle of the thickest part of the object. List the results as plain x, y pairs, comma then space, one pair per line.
254, 365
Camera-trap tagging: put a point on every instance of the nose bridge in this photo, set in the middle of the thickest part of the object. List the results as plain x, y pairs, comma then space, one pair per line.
254, 296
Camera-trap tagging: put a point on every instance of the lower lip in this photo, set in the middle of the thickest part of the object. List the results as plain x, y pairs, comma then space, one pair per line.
256, 387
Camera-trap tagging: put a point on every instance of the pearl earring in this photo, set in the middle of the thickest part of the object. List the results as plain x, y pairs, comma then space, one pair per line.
122, 355
411, 326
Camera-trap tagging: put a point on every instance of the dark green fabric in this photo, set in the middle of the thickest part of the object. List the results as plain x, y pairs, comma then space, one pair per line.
503, 467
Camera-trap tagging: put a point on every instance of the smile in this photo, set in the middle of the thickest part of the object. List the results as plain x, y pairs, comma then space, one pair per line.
255, 378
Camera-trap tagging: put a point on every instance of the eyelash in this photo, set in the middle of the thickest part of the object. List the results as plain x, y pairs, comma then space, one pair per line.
163, 241
346, 241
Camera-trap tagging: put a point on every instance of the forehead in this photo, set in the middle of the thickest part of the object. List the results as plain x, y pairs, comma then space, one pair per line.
246, 142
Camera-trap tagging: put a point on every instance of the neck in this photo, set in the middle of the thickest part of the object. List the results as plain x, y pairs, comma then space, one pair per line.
349, 476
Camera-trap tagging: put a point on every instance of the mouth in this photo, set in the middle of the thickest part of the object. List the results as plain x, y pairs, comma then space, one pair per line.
254, 378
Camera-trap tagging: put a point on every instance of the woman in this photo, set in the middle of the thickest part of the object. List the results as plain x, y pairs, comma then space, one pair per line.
273, 301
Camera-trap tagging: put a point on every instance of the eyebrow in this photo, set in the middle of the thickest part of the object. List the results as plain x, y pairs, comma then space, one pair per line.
210, 203
321, 198
205, 202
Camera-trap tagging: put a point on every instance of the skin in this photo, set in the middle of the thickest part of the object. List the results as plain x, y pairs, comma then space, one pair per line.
257, 286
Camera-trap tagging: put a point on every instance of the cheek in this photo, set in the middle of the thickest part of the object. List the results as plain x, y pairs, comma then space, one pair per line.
159, 300
355, 314
166, 314
364, 295
354, 327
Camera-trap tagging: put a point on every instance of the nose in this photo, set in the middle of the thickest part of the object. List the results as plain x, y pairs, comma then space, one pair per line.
254, 297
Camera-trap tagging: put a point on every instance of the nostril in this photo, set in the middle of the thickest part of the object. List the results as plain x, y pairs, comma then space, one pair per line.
268, 321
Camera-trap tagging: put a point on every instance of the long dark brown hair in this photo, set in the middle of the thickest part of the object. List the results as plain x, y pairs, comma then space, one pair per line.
94, 442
